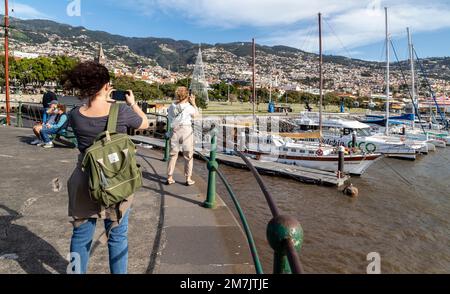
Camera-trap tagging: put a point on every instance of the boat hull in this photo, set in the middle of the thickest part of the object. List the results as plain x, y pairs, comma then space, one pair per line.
353, 164
393, 150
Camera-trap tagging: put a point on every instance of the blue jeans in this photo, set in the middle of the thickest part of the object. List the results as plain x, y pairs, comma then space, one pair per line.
44, 116
117, 244
46, 133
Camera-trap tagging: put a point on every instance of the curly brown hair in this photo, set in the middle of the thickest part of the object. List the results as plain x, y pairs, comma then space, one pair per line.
88, 78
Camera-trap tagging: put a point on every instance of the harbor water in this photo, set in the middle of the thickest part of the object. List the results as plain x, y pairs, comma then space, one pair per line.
402, 213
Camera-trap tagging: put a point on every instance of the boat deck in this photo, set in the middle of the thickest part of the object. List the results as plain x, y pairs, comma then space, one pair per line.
302, 174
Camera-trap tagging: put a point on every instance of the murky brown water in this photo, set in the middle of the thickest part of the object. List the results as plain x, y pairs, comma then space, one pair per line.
403, 213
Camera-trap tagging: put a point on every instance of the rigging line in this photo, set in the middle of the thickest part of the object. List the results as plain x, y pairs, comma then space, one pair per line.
339, 40
422, 69
383, 50
306, 45
397, 173
409, 90
308, 36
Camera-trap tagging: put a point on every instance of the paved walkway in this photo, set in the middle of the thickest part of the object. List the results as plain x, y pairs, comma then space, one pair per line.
169, 231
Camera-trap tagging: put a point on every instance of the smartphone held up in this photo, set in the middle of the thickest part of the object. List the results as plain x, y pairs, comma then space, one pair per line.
119, 95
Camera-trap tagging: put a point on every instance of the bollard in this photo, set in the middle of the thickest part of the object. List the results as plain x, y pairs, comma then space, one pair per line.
212, 168
351, 191
19, 121
354, 139
279, 230
341, 163
167, 142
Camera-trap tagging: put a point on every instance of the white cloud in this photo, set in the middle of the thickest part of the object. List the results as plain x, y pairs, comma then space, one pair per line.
24, 11
235, 13
355, 22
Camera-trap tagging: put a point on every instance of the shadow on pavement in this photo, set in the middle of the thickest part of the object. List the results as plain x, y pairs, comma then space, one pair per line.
32, 251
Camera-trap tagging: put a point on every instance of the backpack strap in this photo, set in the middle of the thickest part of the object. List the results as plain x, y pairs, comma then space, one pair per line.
113, 117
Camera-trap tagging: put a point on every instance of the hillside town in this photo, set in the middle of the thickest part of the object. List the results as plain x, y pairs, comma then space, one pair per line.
282, 72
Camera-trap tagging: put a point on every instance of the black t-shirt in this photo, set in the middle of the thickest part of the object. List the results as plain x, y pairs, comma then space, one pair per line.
86, 129
48, 97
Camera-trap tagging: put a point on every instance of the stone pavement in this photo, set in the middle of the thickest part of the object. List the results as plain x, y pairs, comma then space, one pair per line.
169, 230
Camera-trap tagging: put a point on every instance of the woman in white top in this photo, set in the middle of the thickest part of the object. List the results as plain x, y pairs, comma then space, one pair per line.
181, 114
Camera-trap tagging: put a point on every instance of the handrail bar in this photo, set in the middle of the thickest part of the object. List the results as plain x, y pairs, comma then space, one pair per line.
248, 233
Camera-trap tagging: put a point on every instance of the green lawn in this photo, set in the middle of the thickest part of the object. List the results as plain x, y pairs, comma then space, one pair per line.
225, 108
247, 108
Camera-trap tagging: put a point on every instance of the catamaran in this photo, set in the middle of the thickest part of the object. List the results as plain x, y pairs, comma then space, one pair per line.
338, 131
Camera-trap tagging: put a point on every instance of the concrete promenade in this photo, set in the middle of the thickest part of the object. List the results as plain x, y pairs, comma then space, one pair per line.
169, 231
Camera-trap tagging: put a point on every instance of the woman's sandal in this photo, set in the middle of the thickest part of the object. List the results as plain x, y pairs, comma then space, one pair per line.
190, 183
170, 182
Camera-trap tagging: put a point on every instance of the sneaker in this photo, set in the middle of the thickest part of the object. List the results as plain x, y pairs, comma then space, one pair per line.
48, 145
36, 142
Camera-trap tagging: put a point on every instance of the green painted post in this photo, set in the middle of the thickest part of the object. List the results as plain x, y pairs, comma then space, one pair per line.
19, 122
280, 229
212, 168
167, 142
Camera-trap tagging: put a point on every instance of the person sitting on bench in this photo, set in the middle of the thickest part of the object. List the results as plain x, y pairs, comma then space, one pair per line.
60, 123
47, 100
49, 118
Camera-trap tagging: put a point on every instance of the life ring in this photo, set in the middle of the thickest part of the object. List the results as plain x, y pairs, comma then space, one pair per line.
371, 150
350, 144
319, 152
360, 144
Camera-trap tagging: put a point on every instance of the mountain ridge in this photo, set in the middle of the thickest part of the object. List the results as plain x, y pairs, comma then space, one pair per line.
225, 61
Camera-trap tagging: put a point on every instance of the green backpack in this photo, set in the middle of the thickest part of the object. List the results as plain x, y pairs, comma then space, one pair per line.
111, 165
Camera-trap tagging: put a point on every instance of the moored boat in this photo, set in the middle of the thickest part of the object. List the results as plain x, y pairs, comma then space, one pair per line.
308, 154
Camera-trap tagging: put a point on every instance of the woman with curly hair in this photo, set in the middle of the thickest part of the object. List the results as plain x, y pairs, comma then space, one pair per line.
92, 81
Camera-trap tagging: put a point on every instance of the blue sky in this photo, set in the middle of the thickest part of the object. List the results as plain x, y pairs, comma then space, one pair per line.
353, 28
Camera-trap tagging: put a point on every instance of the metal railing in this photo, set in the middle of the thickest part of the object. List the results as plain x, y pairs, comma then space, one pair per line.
284, 233
165, 135
19, 110
30, 111
211, 203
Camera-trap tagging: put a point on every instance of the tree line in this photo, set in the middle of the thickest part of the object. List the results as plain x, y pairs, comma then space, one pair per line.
36, 71
41, 71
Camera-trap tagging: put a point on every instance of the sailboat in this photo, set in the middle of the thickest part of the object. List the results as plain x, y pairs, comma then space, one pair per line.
288, 149
339, 131
425, 146
410, 131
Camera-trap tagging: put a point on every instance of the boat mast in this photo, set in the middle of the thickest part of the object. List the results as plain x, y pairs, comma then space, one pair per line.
387, 72
413, 77
321, 76
270, 85
254, 77
411, 59
7, 90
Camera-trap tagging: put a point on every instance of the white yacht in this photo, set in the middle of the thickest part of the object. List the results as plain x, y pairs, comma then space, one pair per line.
338, 131
308, 154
